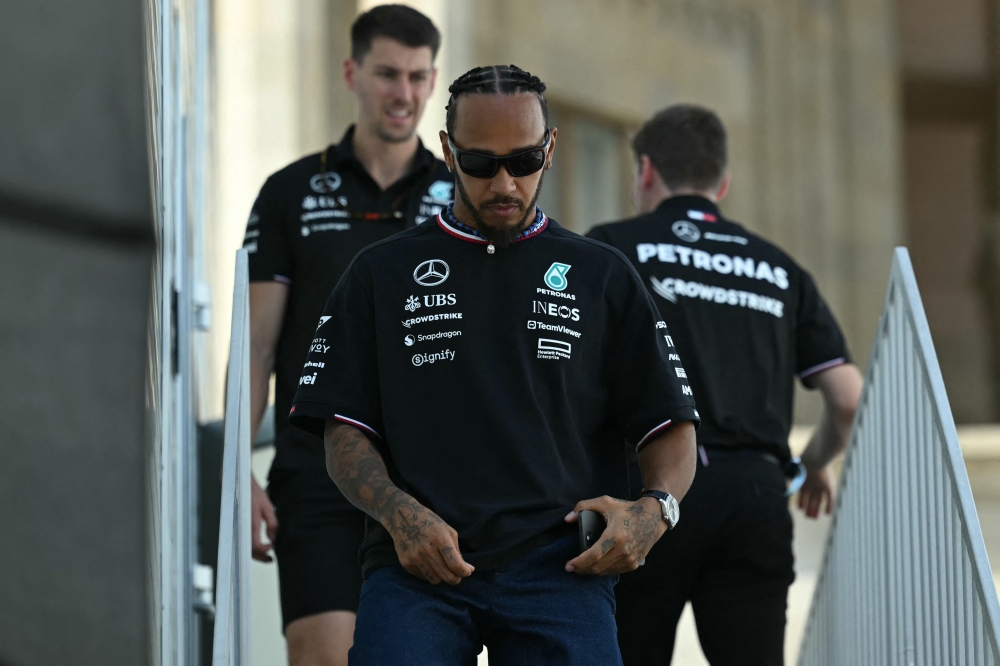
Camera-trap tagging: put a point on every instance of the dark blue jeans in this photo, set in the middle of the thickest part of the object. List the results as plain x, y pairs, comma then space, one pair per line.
529, 612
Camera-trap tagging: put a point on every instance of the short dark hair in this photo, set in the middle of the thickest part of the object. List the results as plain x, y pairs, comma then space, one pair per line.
494, 80
687, 145
404, 24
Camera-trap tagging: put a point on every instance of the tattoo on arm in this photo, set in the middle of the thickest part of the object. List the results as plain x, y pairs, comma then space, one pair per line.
357, 468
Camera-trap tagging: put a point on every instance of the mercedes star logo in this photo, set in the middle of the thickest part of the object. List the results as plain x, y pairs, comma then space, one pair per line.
431, 273
686, 231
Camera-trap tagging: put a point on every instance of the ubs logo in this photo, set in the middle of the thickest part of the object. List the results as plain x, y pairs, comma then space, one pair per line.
686, 231
431, 273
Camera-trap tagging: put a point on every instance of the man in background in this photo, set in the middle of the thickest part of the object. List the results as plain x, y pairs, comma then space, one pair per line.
308, 222
747, 320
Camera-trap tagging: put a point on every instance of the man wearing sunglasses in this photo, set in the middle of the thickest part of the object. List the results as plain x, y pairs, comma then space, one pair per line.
308, 222
482, 375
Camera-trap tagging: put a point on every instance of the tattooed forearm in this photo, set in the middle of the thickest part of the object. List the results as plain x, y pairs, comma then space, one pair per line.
357, 468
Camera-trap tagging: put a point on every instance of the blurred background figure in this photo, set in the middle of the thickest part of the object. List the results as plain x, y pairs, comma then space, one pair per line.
746, 321
306, 225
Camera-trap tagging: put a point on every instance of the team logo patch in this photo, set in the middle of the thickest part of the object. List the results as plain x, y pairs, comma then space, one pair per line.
554, 349
332, 182
686, 231
322, 320
441, 190
555, 277
431, 273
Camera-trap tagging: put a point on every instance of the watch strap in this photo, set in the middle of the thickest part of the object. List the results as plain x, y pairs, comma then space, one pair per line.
656, 494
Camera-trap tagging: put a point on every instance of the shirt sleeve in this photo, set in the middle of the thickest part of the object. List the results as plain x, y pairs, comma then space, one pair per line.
650, 388
340, 379
266, 238
599, 234
819, 342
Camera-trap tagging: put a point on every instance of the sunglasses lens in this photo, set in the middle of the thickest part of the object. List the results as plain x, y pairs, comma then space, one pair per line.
477, 166
526, 163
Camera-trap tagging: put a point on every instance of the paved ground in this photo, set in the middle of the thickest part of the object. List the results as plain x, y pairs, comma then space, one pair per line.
983, 461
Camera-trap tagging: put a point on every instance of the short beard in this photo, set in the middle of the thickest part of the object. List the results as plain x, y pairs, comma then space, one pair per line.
500, 236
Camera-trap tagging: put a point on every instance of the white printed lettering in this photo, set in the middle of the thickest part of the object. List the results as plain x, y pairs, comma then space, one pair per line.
645, 251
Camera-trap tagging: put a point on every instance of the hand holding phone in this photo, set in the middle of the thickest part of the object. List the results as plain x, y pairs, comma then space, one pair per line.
591, 525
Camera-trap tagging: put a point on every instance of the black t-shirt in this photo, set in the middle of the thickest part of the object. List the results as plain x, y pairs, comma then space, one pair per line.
499, 388
305, 232
744, 316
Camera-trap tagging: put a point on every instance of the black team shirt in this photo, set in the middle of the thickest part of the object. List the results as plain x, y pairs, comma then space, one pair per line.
499, 388
745, 317
304, 230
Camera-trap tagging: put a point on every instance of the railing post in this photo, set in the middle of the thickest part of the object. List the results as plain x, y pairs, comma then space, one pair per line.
232, 631
905, 578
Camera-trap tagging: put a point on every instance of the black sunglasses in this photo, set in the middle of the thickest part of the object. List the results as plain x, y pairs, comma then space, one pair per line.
519, 164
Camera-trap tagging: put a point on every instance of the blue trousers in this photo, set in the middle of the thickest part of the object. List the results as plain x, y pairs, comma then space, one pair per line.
529, 612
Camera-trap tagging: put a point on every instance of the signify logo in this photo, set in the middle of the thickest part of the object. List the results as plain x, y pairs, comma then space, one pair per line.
433, 357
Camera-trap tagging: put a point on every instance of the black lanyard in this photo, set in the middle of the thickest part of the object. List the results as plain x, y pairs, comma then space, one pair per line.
393, 214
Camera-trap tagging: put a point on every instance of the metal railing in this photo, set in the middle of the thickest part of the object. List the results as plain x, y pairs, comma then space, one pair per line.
905, 577
231, 644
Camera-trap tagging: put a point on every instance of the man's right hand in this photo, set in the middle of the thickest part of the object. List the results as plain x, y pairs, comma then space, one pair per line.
426, 545
261, 509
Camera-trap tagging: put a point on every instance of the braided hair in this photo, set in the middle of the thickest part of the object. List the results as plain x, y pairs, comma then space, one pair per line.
494, 80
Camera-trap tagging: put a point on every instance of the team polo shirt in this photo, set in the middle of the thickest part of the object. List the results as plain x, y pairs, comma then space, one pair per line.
744, 316
304, 230
500, 387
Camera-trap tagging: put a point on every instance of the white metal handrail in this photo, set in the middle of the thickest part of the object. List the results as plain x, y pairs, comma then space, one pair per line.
232, 601
905, 577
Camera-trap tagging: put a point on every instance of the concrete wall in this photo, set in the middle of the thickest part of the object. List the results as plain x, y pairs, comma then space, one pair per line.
76, 249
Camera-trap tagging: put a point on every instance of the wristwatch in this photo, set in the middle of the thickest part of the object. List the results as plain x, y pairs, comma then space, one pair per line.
669, 508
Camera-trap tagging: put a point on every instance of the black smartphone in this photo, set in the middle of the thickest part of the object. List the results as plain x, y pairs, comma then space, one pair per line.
591, 526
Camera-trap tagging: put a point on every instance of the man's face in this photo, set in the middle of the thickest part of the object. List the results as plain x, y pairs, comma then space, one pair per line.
501, 206
392, 83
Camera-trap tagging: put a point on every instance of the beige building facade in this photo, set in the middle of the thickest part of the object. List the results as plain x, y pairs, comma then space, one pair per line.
808, 90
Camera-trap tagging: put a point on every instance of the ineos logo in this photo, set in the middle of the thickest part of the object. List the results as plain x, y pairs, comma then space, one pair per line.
431, 273
686, 231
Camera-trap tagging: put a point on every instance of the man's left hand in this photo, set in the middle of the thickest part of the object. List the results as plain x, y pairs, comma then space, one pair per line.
633, 528
816, 492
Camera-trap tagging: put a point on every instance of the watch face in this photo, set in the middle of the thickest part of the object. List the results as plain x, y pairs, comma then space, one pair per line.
673, 511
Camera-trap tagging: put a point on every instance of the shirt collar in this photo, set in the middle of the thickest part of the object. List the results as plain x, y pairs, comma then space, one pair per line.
695, 207
451, 226
344, 152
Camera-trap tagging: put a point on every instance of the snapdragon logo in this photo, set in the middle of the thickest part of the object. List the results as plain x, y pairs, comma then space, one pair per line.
433, 357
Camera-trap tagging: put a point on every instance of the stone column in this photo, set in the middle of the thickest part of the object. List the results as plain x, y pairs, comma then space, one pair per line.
989, 268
